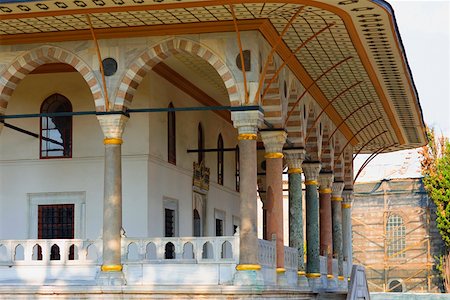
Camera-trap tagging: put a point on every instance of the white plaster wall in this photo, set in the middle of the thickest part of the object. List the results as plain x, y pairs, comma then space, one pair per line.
147, 177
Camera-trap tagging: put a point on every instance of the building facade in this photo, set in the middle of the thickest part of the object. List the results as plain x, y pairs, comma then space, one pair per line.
136, 134
395, 236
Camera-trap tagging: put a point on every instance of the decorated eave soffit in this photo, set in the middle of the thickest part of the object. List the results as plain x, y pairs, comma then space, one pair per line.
361, 36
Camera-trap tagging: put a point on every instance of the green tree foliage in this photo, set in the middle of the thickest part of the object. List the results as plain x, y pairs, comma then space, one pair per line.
435, 165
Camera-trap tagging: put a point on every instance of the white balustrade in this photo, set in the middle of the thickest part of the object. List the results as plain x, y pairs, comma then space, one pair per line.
50, 251
186, 249
290, 258
267, 253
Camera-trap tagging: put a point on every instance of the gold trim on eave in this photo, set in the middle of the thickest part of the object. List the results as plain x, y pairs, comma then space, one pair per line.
111, 268
247, 136
112, 141
248, 267
294, 170
346, 205
311, 182
325, 191
313, 275
337, 198
274, 155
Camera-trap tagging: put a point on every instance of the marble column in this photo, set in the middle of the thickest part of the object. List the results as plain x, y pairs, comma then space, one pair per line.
311, 170
326, 228
111, 269
273, 143
247, 123
336, 200
347, 228
294, 159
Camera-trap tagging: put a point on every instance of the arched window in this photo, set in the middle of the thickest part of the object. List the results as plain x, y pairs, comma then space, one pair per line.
171, 136
56, 132
395, 286
395, 237
220, 160
200, 143
237, 165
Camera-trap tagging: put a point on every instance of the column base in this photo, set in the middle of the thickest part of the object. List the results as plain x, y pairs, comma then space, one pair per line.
108, 278
248, 275
282, 278
332, 284
302, 281
315, 282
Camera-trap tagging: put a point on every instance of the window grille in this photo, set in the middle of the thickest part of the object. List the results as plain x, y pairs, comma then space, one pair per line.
395, 237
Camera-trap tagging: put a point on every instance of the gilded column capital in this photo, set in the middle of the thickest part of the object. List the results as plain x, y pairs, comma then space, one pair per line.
337, 188
294, 159
247, 123
113, 127
325, 182
274, 141
311, 171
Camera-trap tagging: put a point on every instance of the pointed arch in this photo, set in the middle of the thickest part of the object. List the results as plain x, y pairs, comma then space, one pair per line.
156, 54
27, 62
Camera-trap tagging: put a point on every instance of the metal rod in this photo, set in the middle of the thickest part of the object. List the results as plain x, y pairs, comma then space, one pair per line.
329, 103
210, 150
313, 83
368, 142
137, 110
359, 131
369, 159
100, 63
272, 51
240, 52
35, 135
292, 55
346, 118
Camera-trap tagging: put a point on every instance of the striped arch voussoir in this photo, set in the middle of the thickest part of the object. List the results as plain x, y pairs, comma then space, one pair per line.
29, 61
156, 54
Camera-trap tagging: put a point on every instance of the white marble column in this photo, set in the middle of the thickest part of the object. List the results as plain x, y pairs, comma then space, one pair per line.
111, 270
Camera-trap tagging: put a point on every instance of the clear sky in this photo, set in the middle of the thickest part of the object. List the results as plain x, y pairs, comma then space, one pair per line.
425, 30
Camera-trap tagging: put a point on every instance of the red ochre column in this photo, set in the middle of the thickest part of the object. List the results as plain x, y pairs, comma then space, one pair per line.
273, 142
326, 228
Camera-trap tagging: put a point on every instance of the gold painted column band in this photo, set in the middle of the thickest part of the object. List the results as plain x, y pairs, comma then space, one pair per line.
301, 273
248, 267
294, 171
274, 155
311, 182
281, 270
329, 276
111, 268
325, 191
113, 141
346, 205
247, 136
313, 275
337, 198
340, 277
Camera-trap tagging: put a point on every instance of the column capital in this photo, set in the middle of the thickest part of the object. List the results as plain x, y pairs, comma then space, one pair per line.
274, 141
337, 188
247, 123
294, 159
311, 170
347, 196
113, 126
325, 182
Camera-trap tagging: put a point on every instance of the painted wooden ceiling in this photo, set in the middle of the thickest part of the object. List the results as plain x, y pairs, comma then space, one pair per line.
362, 38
